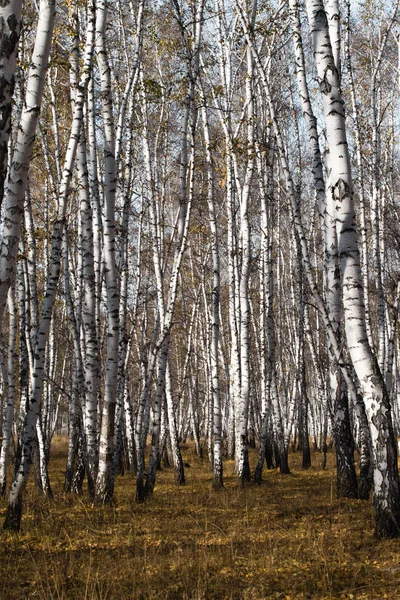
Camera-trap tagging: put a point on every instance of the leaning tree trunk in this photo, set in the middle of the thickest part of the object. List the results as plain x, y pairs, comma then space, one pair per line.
384, 449
45, 28
10, 18
344, 446
18, 174
14, 510
12, 223
347, 482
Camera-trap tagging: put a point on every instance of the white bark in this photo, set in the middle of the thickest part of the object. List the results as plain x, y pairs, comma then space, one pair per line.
104, 482
214, 345
242, 465
22, 153
92, 351
386, 482
185, 201
10, 387
37, 375
28, 436
75, 408
10, 26
361, 184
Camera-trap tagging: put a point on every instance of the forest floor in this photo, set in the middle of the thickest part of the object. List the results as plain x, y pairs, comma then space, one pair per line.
288, 539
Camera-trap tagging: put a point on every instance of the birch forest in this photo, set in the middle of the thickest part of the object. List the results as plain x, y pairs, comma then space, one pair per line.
199, 246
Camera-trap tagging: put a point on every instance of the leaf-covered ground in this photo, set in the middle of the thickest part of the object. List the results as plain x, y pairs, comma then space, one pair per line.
287, 539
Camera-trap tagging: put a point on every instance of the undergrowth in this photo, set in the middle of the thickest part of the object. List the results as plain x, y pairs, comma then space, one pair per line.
288, 539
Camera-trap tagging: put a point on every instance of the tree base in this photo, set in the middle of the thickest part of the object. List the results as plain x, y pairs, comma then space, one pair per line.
14, 515
386, 525
104, 490
140, 494
218, 482
366, 483
346, 486
284, 464
306, 462
258, 472
245, 476
179, 474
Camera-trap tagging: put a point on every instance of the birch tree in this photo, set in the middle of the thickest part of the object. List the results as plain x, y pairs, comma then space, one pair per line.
215, 308
11, 395
22, 152
104, 482
37, 375
10, 26
347, 484
386, 481
14, 209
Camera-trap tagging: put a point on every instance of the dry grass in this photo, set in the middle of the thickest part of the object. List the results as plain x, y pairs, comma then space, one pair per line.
288, 539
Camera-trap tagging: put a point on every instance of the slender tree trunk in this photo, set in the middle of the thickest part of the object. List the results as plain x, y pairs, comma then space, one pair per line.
10, 27
14, 511
386, 479
214, 345
18, 175
173, 431
105, 482
76, 397
13, 214
10, 406
91, 357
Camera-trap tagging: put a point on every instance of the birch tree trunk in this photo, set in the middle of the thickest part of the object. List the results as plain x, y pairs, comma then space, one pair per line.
242, 459
225, 47
10, 406
214, 345
361, 177
14, 511
12, 224
92, 347
386, 480
18, 174
346, 483
334, 347
344, 446
87, 353
10, 26
104, 482
75, 405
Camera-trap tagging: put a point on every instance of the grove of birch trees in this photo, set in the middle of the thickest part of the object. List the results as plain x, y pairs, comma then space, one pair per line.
200, 240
